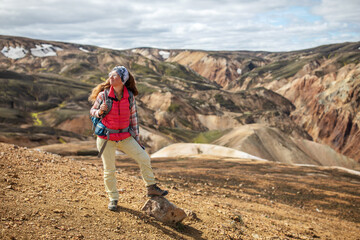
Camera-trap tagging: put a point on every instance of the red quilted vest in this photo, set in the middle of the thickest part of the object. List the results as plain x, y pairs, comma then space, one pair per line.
119, 115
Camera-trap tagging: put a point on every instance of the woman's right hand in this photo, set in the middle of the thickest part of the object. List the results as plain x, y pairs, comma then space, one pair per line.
103, 108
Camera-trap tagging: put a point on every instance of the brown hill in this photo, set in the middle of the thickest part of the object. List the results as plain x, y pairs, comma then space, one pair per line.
322, 83
328, 106
221, 67
272, 144
185, 95
174, 101
45, 196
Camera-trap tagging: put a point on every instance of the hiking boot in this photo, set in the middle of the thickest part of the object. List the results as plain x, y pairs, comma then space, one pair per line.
154, 190
113, 205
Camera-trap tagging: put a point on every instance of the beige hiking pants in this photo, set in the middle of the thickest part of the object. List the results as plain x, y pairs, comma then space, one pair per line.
130, 147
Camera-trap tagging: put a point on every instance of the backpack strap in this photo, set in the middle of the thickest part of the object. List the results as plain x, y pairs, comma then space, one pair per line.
131, 99
131, 104
109, 105
108, 101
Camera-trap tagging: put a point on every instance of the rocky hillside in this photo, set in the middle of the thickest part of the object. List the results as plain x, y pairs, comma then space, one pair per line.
185, 96
328, 106
323, 84
174, 101
272, 144
45, 196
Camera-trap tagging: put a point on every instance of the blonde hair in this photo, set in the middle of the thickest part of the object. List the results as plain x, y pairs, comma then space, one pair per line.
130, 85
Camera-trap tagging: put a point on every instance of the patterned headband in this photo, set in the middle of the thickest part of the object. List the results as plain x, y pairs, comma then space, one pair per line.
122, 72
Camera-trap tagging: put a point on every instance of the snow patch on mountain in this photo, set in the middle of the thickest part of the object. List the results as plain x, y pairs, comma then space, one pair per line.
14, 52
164, 54
84, 50
45, 50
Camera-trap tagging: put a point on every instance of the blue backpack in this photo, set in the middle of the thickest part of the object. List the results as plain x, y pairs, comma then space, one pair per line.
101, 129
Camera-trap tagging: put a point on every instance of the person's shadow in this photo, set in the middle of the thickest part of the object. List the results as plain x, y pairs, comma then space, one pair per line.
184, 229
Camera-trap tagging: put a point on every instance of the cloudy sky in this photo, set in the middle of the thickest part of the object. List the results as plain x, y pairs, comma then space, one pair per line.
270, 25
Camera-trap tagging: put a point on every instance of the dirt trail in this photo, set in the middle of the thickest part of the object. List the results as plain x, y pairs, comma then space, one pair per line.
45, 196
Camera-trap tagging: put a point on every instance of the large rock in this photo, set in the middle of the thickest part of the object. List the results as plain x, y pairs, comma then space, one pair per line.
161, 209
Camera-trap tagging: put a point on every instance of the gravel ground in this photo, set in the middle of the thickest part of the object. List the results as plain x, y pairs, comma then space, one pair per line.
45, 196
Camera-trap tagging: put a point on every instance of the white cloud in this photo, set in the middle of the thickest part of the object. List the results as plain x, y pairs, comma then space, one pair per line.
277, 25
339, 11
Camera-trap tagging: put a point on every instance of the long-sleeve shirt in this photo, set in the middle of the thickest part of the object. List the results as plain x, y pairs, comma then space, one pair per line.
134, 125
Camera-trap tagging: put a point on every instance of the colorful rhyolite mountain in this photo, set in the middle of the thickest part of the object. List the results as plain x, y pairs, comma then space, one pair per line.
190, 96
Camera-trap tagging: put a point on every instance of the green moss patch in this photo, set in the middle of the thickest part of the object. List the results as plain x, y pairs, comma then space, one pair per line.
348, 58
226, 103
173, 108
179, 134
13, 116
209, 136
138, 69
62, 115
145, 89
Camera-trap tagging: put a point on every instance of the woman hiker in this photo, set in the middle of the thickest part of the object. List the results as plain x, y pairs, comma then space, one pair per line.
123, 122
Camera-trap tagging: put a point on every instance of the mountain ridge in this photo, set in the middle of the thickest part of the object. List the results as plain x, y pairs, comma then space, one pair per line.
198, 98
